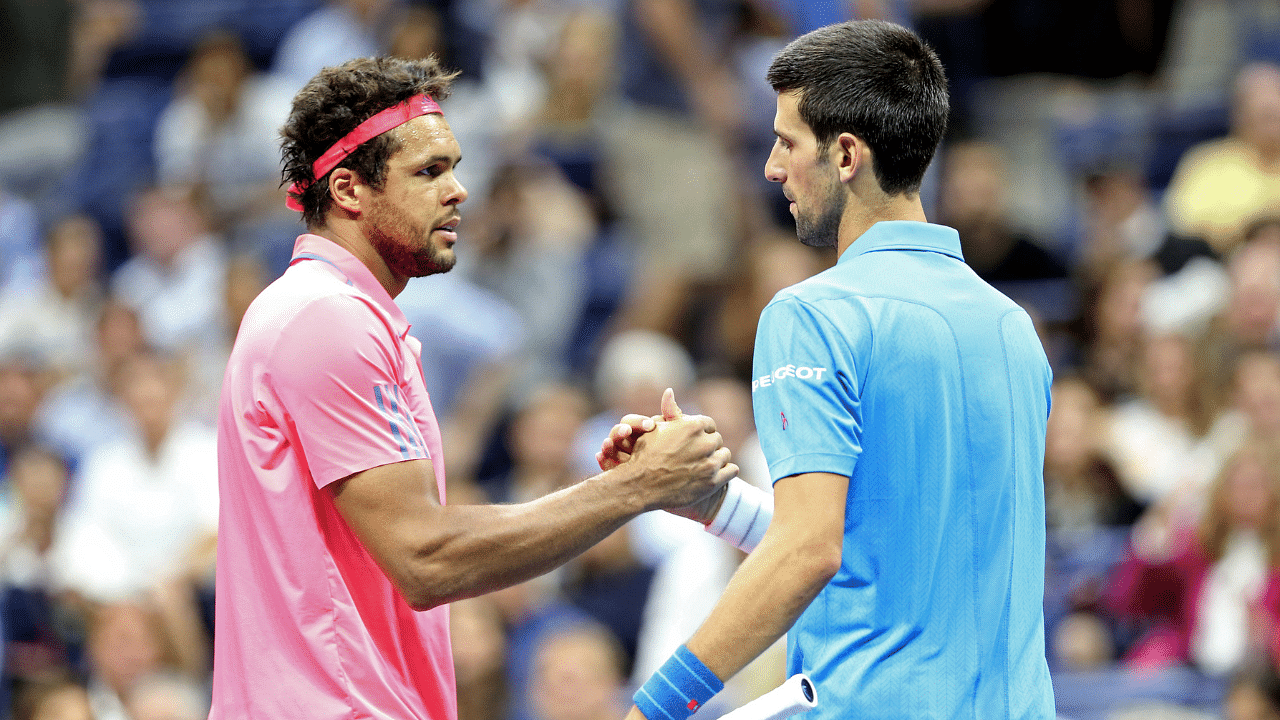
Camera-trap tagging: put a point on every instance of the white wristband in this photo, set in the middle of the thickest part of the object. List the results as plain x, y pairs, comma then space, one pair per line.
744, 515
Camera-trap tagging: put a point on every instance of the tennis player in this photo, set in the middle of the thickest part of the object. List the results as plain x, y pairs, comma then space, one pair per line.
901, 403
337, 554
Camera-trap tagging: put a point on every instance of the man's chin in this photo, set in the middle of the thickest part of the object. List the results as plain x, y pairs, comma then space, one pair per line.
440, 261
816, 239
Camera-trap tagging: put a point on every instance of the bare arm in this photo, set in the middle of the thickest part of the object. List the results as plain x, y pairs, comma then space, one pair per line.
673, 28
799, 555
436, 554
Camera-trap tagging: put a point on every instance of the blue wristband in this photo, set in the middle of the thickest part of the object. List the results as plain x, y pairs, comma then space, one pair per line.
678, 688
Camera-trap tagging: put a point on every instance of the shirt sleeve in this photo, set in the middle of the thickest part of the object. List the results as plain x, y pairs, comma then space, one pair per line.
337, 372
805, 392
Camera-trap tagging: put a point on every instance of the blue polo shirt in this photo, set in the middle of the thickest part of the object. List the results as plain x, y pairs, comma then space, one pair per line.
902, 370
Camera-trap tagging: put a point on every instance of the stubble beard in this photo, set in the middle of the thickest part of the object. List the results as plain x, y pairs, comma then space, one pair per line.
407, 254
823, 230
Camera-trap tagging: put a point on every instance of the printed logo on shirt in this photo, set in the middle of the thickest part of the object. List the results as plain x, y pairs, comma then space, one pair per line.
788, 372
784, 420
404, 431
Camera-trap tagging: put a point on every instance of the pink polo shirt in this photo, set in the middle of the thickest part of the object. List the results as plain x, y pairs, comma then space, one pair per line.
324, 381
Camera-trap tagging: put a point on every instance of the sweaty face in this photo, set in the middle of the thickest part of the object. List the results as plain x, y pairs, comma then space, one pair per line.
412, 221
808, 178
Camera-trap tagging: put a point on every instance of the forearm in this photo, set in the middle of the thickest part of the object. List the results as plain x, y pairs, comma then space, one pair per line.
671, 26
468, 550
799, 554
770, 590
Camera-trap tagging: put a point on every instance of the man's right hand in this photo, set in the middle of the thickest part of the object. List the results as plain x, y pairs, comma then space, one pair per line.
682, 460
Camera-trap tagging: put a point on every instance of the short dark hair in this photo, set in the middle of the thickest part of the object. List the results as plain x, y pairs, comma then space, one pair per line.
876, 80
338, 99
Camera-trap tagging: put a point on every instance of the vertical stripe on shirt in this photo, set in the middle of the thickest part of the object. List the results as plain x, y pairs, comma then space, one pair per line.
395, 427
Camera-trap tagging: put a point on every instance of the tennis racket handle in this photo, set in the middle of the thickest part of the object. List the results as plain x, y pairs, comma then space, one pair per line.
796, 695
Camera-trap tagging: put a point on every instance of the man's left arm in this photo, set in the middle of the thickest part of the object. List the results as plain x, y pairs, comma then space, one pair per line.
798, 556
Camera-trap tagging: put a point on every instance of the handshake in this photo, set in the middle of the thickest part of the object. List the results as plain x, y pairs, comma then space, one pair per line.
674, 462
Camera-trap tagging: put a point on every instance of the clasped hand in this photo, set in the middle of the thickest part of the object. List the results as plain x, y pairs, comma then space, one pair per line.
630, 438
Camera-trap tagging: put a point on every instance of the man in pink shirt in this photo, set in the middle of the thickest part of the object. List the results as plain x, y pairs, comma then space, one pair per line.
337, 554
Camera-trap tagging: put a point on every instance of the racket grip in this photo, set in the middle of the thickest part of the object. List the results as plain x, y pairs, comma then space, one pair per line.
796, 695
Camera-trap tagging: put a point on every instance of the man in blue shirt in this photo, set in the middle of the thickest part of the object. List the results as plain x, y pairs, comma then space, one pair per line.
901, 403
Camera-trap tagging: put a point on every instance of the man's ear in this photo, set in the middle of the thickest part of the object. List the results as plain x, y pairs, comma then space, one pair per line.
849, 154
344, 189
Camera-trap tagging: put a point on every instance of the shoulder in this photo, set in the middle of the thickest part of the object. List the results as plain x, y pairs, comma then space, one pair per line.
307, 300
310, 322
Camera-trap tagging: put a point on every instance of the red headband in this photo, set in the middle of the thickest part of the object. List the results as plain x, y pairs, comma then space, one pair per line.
392, 117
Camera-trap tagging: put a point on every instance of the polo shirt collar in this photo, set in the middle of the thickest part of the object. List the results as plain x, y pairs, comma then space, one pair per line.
906, 235
348, 268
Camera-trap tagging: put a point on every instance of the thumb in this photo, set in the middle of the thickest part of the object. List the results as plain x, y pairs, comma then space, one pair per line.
670, 410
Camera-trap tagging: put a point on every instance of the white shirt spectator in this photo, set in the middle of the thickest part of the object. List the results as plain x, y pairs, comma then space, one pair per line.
329, 36
233, 158
180, 305
134, 519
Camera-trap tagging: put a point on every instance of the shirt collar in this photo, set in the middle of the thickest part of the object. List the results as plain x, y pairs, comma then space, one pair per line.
906, 235
348, 268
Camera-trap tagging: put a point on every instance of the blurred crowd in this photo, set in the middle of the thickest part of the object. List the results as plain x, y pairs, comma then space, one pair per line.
1112, 165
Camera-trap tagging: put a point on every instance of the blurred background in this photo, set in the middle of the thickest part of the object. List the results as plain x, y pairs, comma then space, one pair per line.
1113, 165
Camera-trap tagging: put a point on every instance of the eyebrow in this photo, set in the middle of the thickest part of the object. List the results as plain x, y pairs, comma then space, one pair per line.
441, 157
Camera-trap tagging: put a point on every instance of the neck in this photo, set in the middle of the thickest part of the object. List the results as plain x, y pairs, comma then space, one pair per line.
348, 236
860, 215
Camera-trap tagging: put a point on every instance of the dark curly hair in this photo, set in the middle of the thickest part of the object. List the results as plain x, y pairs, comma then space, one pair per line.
338, 99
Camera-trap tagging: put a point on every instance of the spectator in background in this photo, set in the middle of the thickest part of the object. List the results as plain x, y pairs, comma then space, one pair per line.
175, 278
541, 442
611, 585
145, 513
1123, 221
578, 676
528, 248
127, 643
1245, 323
1256, 394
973, 199
479, 661
36, 643
219, 135
518, 36
531, 611
1082, 488
21, 388
1221, 186
1089, 514
1207, 593
1254, 308
1161, 440
55, 318
1112, 339
338, 31
472, 344
680, 119
246, 276
84, 411
578, 75
726, 335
